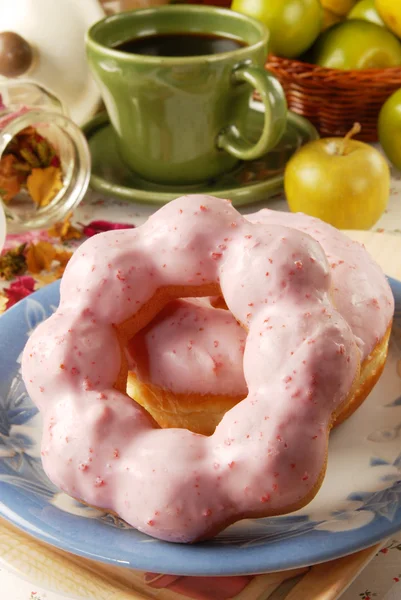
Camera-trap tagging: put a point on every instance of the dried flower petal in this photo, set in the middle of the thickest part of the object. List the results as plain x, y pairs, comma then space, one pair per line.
95, 227
63, 256
13, 262
65, 230
44, 184
44, 152
29, 160
10, 183
22, 287
40, 256
30, 157
56, 271
3, 302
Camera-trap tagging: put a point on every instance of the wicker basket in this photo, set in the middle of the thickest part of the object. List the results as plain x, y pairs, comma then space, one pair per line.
334, 100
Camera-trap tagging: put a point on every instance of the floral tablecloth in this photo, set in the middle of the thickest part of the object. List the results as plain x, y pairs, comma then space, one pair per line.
381, 580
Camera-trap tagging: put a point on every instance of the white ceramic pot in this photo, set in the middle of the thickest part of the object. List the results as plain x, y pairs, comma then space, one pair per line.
55, 29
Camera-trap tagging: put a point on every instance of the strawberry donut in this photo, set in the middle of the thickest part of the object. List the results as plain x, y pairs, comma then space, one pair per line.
174, 374
302, 366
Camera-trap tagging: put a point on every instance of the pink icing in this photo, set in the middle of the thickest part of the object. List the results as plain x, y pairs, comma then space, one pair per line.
182, 358
193, 348
360, 291
267, 454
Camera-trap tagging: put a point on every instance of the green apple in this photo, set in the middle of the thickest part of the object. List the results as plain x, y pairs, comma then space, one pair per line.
339, 180
293, 24
389, 127
390, 12
329, 19
339, 7
366, 10
357, 44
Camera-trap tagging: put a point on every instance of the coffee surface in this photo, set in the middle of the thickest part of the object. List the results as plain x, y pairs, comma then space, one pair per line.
180, 44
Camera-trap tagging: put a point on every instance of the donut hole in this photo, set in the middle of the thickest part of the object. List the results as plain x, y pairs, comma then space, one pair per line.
185, 367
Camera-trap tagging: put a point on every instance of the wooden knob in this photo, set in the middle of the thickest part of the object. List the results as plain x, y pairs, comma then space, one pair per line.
15, 54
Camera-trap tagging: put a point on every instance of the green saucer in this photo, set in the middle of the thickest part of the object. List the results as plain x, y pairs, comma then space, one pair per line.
250, 182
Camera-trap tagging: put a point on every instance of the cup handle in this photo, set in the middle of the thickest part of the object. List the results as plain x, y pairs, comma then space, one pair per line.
273, 98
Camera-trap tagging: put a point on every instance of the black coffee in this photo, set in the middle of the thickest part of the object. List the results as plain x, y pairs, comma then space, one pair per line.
180, 44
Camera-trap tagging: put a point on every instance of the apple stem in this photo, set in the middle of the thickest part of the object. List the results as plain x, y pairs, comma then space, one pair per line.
356, 128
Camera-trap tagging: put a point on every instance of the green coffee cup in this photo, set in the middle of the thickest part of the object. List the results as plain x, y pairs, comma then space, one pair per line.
179, 120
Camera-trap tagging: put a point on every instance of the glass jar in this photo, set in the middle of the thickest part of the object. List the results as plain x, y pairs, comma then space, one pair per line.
26, 109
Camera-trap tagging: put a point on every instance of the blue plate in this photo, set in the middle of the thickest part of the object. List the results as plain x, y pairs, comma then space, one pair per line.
358, 504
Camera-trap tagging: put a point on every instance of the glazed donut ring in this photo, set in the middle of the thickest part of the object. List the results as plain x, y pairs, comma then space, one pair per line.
268, 454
